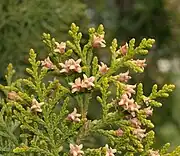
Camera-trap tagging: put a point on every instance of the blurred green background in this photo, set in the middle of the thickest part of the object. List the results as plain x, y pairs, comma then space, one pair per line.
22, 23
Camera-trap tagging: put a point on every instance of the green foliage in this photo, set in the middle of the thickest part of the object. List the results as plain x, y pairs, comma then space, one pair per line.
35, 115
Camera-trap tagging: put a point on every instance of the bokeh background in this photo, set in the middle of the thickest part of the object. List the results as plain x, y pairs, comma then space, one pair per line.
22, 23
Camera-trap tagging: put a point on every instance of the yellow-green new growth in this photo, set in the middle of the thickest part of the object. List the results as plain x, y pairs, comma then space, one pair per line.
40, 106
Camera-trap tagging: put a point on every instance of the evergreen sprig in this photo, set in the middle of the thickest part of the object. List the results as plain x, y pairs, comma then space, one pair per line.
36, 115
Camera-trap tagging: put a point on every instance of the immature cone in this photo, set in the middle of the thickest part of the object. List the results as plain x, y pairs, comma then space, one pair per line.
71, 65
88, 82
76, 86
110, 151
60, 47
79, 85
47, 63
140, 63
98, 41
135, 123
129, 104
74, 116
148, 111
13, 96
36, 106
129, 89
103, 69
119, 132
153, 153
75, 150
124, 49
123, 77
125, 101
140, 133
